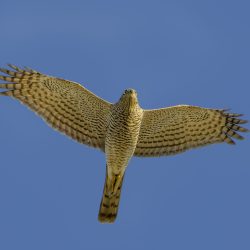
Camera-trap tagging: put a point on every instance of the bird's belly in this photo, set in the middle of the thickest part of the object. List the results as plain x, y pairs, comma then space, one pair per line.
119, 148
121, 138
120, 144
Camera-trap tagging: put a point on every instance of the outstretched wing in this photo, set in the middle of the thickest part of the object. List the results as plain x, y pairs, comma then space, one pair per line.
175, 129
65, 105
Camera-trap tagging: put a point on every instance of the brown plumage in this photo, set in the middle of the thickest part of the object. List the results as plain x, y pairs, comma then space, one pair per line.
120, 130
110, 202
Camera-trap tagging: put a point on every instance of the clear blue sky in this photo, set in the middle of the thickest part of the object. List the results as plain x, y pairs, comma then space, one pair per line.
172, 52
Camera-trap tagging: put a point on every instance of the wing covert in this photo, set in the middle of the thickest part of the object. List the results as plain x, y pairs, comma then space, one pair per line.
65, 105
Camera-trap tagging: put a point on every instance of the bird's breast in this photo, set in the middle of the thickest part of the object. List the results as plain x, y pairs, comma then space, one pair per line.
122, 135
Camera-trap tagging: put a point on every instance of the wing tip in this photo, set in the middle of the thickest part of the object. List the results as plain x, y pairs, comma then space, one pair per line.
232, 127
229, 141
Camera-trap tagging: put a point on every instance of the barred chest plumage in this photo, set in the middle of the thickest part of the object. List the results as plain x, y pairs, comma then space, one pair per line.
123, 132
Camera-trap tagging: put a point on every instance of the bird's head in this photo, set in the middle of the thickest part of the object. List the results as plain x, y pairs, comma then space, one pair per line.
129, 97
129, 93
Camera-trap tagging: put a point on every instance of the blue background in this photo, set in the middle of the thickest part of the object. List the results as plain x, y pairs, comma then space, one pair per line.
172, 52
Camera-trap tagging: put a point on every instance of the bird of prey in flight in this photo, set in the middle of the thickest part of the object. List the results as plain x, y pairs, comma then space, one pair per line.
121, 130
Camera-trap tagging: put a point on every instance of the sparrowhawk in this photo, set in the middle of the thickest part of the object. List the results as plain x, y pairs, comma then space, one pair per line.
121, 130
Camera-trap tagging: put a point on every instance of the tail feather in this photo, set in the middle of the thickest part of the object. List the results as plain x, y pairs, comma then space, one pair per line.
110, 203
